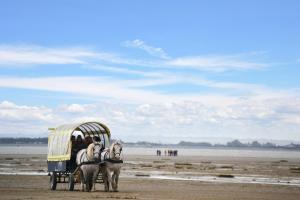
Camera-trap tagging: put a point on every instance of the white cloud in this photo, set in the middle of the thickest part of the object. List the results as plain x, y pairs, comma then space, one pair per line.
117, 90
166, 122
218, 63
93, 87
133, 90
140, 44
75, 108
32, 55
28, 55
124, 70
12, 112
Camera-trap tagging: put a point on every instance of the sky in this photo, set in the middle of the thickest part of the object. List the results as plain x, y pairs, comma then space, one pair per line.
160, 71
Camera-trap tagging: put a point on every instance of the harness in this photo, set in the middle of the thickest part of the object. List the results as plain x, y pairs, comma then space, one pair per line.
113, 161
89, 163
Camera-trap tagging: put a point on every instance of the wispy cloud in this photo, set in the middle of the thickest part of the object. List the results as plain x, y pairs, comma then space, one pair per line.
123, 70
111, 88
140, 44
133, 91
93, 87
218, 63
32, 55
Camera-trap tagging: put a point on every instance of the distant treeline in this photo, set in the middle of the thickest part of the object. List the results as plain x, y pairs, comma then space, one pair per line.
232, 144
237, 143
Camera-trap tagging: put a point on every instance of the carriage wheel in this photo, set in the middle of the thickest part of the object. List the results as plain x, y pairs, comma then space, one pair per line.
53, 181
71, 182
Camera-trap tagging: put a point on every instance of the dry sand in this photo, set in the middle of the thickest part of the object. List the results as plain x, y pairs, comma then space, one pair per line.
144, 187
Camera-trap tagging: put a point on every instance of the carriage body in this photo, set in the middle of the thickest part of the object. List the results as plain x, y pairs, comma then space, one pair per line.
61, 159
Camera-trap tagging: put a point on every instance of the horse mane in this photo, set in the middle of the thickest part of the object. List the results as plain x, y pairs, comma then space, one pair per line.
90, 151
111, 148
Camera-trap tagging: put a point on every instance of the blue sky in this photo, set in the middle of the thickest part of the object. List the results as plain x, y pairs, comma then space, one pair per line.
211, 69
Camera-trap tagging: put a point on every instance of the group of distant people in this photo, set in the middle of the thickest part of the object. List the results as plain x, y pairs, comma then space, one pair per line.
167, 152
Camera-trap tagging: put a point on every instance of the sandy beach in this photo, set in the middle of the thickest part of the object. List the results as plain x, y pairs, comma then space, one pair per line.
151, 177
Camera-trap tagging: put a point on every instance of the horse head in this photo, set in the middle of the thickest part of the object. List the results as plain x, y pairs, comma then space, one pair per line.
116, 150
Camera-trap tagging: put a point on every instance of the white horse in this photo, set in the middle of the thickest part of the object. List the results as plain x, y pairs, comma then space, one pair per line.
88, 159
112, 166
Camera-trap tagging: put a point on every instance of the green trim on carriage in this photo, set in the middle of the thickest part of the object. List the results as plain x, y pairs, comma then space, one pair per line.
59, 140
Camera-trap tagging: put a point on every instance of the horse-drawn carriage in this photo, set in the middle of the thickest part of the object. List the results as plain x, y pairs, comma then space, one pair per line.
63, 147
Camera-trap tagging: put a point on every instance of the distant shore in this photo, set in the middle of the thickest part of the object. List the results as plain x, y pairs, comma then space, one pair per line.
183, 144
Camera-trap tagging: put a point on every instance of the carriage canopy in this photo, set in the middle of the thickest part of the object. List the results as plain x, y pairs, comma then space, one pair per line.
59, 140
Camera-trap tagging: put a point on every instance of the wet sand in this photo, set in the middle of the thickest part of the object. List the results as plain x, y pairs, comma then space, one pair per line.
138, 179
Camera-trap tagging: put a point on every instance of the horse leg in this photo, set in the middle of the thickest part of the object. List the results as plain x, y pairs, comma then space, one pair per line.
105, 178
115, 180
82, 180
90, 183
86, 180
109, 181
95, 176
117, 173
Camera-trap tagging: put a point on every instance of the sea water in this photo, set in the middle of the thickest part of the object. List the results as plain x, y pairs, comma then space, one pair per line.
219, 152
